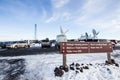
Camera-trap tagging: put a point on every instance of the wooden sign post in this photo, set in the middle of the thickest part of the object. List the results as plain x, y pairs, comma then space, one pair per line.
109, 57
85, 47
64, 55
64, 60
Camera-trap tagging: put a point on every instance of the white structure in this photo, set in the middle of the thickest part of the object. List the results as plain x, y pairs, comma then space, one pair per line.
62, 37
95, 34
87, 36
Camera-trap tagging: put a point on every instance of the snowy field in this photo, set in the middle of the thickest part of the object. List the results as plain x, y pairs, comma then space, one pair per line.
41, 67
118, 44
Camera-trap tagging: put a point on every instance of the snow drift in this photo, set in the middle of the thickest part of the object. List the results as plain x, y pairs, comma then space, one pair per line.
41, 67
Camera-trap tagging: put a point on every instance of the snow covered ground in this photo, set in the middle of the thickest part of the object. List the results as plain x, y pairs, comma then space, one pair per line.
118, 44
41, 67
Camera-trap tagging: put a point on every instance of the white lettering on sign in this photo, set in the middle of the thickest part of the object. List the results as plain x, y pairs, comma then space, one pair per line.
73, 51
86, 47
76, 44
100, 44
96, 47
76, 47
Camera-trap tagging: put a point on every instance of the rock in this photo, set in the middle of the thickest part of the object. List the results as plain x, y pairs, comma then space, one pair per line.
113, 61
58, 72
107, 62
85, 67
77, 72
77, 68
65, 68
56, 69
77, 65
90, 64
72, 64
116, 64
72, 68
82, 64
81, 69
61, 67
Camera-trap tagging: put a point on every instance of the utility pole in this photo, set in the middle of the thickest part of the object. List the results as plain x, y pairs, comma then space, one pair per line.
35, 31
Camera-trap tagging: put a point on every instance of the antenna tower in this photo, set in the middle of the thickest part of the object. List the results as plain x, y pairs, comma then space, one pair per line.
35, 31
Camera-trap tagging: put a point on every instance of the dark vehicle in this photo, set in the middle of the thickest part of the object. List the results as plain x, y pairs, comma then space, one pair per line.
114, 42
46, 43
2, 45
93, 40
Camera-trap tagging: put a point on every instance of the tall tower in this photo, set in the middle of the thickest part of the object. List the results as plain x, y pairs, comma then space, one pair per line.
35, 31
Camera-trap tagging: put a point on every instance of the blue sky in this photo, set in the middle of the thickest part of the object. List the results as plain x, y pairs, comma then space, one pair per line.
17, 18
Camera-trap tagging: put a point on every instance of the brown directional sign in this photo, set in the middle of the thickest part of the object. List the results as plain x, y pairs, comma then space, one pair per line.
85, 47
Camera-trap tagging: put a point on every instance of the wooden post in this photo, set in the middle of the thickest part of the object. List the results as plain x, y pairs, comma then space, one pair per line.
109, 57
64, 59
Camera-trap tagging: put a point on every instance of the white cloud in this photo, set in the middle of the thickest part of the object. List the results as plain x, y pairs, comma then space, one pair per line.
59, 17
90, 9
95, 6
60, 12
102, 15
112, 25
54, 17
59, 3
66, 15
95, 11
